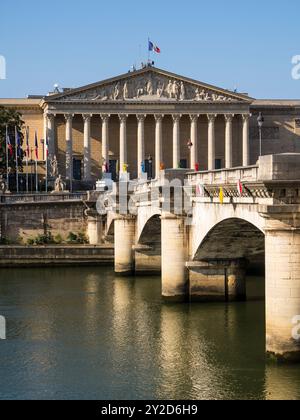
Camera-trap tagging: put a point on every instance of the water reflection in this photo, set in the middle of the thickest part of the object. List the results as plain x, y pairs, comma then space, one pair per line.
88, 334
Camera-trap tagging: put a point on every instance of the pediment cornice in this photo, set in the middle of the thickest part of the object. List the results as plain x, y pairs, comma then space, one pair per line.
150, 85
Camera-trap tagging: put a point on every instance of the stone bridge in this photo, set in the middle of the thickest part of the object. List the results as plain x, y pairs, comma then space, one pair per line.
202, 231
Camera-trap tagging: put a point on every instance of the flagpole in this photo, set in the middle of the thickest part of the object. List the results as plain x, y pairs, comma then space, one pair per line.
7, 162
46, 187
36, 165
36, 176
17, 165
27, 157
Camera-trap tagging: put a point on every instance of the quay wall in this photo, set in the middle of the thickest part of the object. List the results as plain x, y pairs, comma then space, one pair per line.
55, 255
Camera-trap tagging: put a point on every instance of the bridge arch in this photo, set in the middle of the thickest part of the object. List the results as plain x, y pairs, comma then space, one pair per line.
232, 238
146, 215
148, 248
208, 216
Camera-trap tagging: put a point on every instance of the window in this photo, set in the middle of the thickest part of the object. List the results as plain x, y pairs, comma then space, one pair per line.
77, 175
113, 169
183, 163
218, 164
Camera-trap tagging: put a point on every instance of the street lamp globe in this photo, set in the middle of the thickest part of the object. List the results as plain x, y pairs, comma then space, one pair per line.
260, 120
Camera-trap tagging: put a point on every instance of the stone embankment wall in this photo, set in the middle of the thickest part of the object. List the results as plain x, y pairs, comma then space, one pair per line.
23, 221
23, 256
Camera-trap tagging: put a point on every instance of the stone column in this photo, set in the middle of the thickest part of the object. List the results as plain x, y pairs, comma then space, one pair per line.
87, 147
124, 242
141, 143
228, 141
158, 143
176, 140
246, 146
211, 142
123, 141
105, 138
283, 283
49, 124
69, 146
46, 138
94, 228
194, 140
175, 285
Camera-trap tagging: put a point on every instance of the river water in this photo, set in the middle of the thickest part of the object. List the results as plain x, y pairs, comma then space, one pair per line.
83, 333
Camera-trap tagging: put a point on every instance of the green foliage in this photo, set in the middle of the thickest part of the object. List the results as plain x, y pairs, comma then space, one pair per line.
72, 238
4, 241
82, 238
58, 239
44, 239
79, 238
11, 119
48, 239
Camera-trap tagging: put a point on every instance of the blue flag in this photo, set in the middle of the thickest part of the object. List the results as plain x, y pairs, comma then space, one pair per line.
18, 143
143, 167
151, 46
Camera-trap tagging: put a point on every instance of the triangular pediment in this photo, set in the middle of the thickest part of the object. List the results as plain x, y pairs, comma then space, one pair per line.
149, 85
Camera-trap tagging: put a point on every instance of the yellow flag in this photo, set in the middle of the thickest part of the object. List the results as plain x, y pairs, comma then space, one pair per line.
125, 168
221, 196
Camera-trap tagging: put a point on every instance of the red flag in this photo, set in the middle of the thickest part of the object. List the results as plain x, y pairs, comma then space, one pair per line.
9, 145
240, 188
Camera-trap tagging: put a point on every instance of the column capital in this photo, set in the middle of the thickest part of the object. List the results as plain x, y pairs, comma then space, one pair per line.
158, 117
141, 117
49, 116
69, 117
211, 117
194, 117
229, 117
245, 117
87, 117
123, 117
105, 117
176, 117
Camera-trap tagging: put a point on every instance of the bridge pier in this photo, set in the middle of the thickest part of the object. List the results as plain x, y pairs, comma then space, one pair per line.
124, 241
147, 259
283, 283
95, 229
175, 284
218, 280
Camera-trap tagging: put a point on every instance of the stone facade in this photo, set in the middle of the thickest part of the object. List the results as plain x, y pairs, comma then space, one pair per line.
117, 121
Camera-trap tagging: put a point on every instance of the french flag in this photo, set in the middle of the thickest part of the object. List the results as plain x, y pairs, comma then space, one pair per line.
27, 143
153, 47
9, 145
36, 146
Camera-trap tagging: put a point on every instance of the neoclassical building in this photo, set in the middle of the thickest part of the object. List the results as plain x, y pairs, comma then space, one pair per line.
155, 116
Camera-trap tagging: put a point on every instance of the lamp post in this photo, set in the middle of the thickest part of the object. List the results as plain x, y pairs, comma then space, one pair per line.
260, 122
150, 162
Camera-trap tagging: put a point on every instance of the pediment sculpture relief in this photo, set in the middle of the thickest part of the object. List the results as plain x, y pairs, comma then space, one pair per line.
152, 87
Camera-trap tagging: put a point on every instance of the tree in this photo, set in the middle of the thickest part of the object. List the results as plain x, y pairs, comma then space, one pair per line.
11, 119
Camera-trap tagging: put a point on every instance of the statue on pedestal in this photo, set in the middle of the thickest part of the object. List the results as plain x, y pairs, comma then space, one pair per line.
59, 185
3, 185
54, 167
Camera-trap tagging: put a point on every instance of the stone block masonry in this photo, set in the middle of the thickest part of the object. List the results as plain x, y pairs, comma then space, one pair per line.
43, 256
20, 222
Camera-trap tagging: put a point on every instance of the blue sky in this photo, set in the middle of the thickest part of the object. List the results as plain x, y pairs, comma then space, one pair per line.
248, 45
